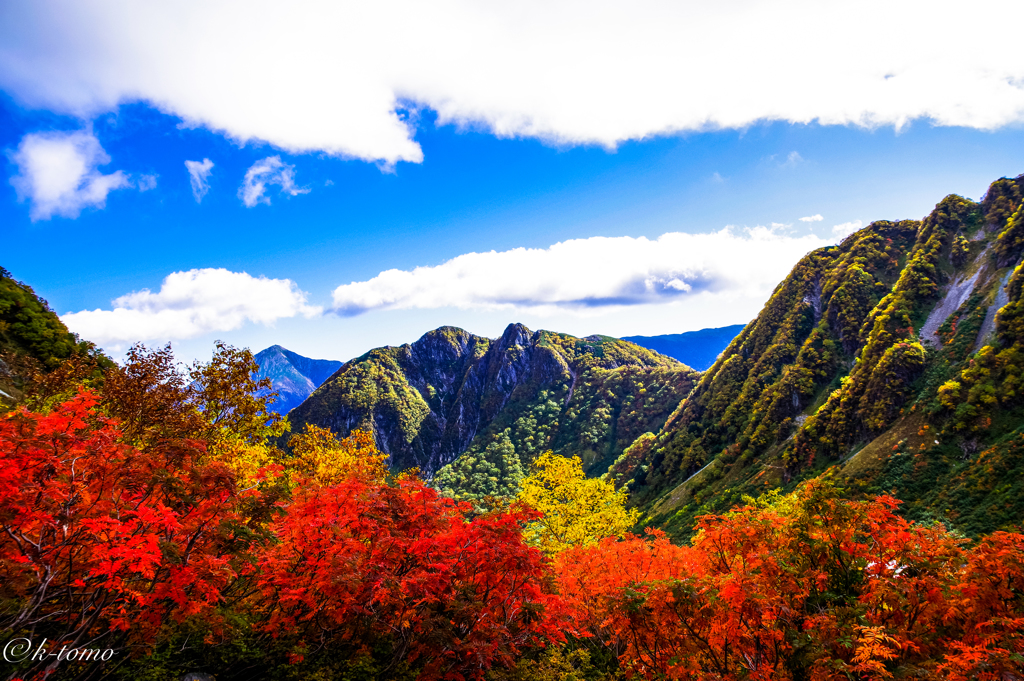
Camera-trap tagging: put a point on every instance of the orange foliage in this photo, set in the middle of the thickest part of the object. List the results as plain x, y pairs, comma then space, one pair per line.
810, 586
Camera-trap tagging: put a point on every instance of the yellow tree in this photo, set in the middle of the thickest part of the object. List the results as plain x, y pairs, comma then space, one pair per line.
319, 454
577, 511
251, 462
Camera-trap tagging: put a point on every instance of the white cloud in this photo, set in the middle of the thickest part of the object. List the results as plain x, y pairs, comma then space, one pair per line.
582, 276
812, 218
270, 171
199, 177
190, 304
311, 75
841, 231
58, 173
793, 159
146, 182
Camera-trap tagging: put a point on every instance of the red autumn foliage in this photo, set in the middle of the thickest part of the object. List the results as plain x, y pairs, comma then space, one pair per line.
359, 562
98, 537
108, 544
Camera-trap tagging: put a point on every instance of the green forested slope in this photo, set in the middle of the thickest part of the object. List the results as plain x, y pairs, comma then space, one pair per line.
32, 338
607, 411
878, 357
490, 406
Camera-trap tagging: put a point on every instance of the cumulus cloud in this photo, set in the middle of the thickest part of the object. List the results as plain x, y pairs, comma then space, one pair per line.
341, 76
812, 218
585, 274
199, 177
270, 171
190, 304
58, 173
841, 231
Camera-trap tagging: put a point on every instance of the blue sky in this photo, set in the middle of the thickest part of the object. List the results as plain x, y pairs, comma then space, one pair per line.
98, 206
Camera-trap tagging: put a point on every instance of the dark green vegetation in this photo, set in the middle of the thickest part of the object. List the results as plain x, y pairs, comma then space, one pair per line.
697, 349
499, 403
883, 357
292, 376
32, 338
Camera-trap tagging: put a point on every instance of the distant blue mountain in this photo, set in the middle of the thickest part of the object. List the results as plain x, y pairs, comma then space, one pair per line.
696, 349
292, 376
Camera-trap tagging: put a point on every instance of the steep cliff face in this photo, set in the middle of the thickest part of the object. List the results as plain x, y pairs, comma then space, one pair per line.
890, 357
418, 399
451, 391
292, 376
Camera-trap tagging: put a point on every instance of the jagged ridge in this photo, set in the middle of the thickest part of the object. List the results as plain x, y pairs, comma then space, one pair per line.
450, 391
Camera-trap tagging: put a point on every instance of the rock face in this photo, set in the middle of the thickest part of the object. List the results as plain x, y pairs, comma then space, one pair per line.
427, 402
292, 376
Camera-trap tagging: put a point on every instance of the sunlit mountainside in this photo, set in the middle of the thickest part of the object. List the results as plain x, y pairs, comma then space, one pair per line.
894, 356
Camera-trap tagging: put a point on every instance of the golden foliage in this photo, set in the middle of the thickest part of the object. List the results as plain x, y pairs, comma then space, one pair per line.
251, 462
319, 454
576, 511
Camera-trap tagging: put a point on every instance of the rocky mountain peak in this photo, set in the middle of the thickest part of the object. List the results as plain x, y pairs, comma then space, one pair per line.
292, 376
427, 402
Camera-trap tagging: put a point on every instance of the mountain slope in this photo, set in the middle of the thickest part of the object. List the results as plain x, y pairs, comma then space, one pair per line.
292, 376
868, 352
697, 349
32, 337
451, 392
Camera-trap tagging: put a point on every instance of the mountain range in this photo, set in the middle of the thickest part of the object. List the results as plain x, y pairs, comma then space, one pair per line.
473, 412
295, 377
892, 363
696, 349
